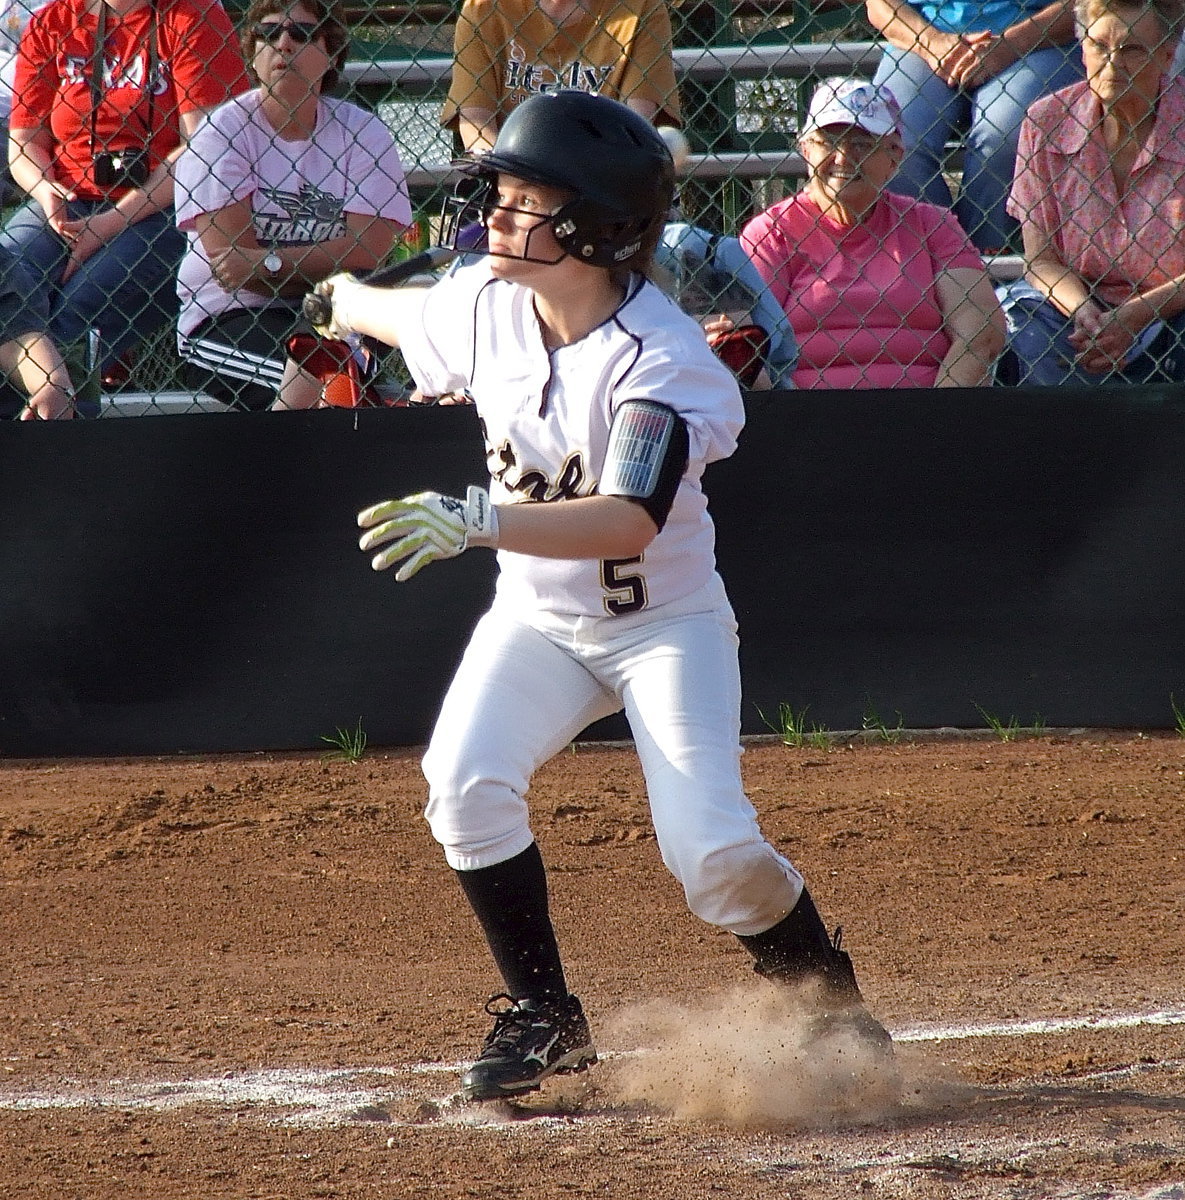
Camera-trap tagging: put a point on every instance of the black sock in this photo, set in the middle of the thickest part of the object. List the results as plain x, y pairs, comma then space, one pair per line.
510, 900
797, 944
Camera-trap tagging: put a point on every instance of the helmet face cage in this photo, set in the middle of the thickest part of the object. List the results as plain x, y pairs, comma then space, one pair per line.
471, 204
583, 228
461, 210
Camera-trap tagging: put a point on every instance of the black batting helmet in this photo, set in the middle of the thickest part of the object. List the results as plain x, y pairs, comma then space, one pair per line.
612, 160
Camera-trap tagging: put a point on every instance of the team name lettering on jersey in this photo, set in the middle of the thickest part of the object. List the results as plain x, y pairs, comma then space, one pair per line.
568, 483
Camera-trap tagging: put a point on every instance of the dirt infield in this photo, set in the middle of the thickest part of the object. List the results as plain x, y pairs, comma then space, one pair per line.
254, 977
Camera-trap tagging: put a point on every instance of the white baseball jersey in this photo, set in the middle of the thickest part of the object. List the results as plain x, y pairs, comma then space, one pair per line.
546, 419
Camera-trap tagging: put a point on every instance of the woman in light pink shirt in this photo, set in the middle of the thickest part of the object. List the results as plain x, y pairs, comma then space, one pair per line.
883, 291
1100, 194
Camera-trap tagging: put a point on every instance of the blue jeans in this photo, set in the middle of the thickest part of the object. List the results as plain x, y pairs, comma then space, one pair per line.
988, 120
127, 290
22, 311
1039, 353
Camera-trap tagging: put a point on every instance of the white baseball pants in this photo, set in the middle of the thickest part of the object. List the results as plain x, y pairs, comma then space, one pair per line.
523, 691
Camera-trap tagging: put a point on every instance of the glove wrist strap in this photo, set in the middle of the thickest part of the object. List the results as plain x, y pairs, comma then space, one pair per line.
481, 519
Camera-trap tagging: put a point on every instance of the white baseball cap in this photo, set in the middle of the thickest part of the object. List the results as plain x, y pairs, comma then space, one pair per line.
842, 101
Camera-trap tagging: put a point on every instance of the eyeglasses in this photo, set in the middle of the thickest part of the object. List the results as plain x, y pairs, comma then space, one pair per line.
301, 32
856, 145
1129, 52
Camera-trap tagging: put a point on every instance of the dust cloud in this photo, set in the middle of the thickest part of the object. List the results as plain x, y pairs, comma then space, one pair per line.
756, 1057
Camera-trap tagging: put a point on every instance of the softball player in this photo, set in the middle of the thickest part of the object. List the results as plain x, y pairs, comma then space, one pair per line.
601, 405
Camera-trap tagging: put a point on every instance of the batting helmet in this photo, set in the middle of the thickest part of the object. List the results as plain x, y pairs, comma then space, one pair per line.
613, 162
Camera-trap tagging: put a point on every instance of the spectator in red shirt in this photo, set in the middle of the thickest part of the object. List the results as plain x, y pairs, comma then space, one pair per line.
106, 95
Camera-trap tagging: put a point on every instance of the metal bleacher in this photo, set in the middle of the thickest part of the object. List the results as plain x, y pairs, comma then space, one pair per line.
420, 79
417, 80
413, 78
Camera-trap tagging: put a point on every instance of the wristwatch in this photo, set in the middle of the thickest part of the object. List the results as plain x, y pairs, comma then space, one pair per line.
273, 264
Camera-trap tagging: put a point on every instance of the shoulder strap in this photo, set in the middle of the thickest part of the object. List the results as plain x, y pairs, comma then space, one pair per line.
98, 55
153, 66
97, 67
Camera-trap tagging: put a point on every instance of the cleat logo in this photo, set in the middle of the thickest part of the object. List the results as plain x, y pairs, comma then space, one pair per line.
540, 1055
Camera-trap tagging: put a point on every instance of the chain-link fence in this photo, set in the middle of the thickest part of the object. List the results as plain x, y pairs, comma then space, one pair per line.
896, 195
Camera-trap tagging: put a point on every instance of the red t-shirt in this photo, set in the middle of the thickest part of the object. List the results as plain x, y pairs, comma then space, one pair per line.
199, 65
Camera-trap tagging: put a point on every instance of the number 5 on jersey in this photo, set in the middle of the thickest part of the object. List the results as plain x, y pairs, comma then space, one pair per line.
626, 591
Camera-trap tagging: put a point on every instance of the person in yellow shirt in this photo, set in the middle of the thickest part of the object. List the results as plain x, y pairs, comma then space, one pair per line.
507, 50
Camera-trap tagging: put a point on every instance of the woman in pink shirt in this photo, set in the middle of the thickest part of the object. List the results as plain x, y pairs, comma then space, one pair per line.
883, 291
1100, 194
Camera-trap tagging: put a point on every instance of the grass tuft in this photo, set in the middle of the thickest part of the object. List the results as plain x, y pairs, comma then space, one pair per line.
1010, 730
791, 726
348, 745
873, 722
1006, 731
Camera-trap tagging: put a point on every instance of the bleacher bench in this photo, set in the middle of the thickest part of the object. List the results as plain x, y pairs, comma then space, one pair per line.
423, 76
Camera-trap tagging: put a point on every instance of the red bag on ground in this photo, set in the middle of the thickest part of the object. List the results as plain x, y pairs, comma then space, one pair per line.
346, 381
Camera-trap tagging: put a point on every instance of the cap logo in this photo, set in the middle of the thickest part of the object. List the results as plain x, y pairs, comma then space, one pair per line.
857, 101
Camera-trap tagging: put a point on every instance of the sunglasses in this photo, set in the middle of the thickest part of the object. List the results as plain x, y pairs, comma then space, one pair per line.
300, 32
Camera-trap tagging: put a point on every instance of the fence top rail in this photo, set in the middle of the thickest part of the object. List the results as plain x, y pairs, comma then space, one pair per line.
739, 164
707, 64
729, 164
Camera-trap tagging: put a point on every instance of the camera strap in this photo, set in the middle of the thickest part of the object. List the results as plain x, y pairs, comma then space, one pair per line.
97, 65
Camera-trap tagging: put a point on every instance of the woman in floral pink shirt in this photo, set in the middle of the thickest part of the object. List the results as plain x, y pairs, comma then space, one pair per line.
1100, 194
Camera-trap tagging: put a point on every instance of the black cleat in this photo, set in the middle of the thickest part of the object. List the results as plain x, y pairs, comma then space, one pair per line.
796, 951
531, 1041
843, 1008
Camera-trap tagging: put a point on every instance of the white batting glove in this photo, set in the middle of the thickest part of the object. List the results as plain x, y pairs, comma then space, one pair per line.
342, 291
428, 526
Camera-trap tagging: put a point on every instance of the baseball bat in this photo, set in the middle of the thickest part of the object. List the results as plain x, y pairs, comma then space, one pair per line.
318, 310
